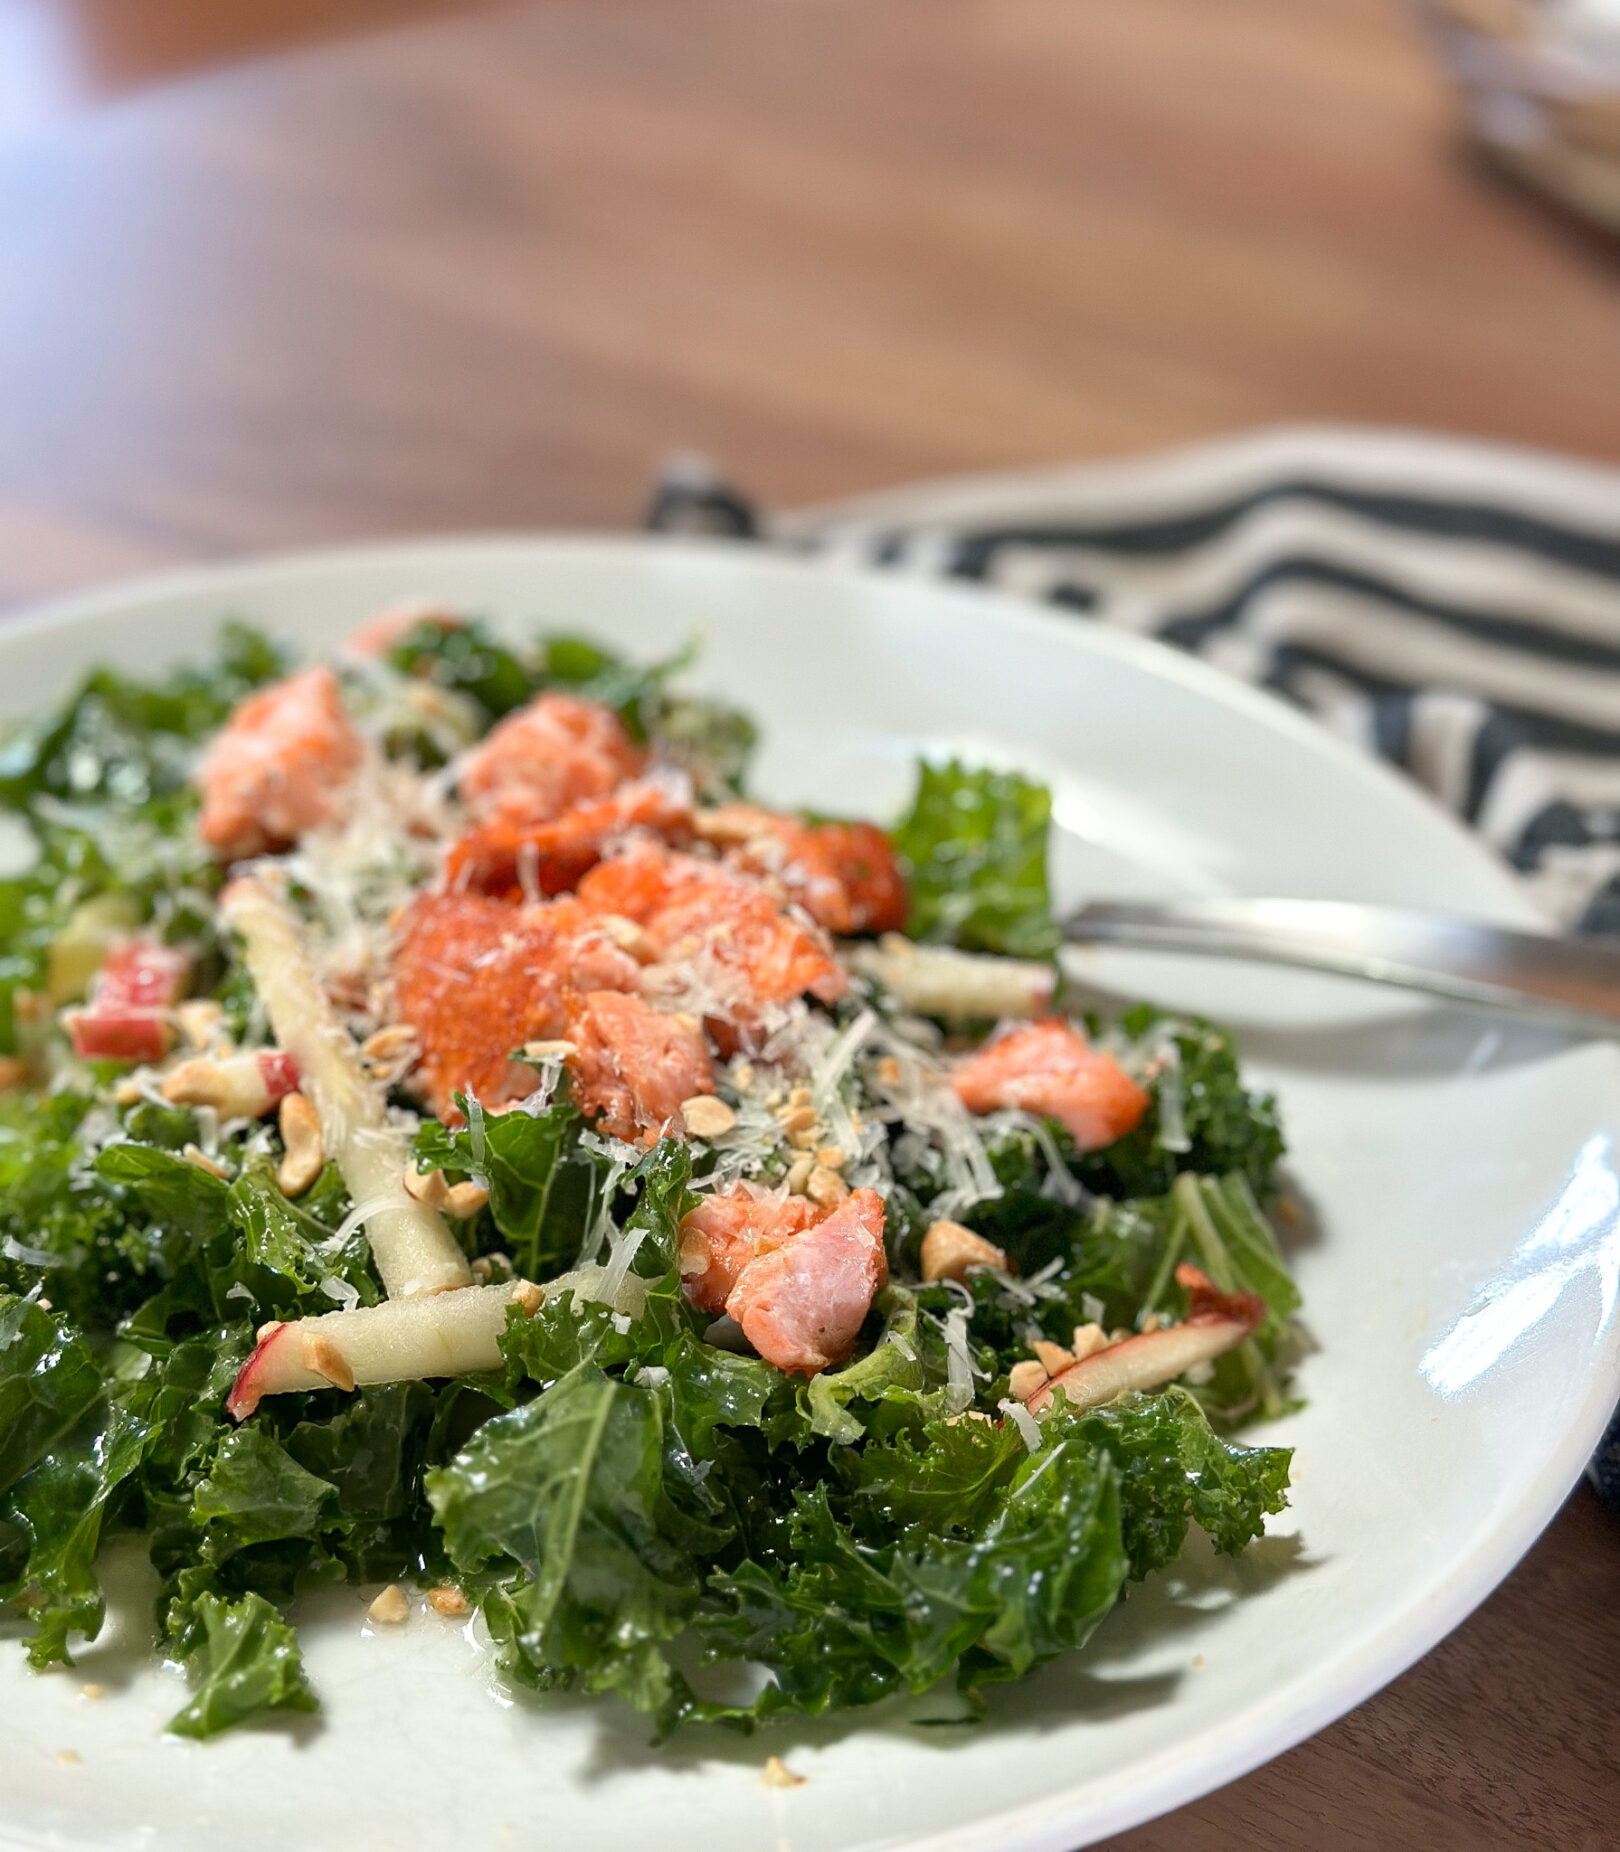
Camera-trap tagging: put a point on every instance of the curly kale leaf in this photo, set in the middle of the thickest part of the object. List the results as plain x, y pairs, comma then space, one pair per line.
545, 1188
468, 659
1175, 1470
251, 1663
1228, 1127
973, 851
840, 1620
570, 1489
125, 741
48, 1383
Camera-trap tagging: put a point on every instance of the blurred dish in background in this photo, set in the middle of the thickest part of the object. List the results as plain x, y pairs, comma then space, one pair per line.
1541, 79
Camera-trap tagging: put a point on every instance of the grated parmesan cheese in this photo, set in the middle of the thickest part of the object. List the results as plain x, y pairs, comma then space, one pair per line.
1024, 1421
346, 1295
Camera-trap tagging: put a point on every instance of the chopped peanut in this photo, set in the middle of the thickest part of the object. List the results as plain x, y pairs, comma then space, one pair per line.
799, 1173
305, 1150
427, 1186
951, 1252
390, 1607
529, 1296
557, 1050
323, 1357
706, 1116
1088, 1340
449, 1601
390, 1053
830, 1157
1053, 1357
389, 1044
462, 1201
777, 1774
1025, 1378
825, 1187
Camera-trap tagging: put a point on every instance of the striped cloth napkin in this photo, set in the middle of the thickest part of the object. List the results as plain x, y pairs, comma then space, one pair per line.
1453, 607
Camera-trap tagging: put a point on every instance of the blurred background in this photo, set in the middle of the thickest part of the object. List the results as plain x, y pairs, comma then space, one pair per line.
276, 272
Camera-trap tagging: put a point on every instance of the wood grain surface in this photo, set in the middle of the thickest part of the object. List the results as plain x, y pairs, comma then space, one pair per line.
491, 269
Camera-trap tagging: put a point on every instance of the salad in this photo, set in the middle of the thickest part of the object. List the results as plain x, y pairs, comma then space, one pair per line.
451, 1139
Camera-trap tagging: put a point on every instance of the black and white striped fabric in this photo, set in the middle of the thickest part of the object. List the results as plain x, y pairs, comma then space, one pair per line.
1453, 607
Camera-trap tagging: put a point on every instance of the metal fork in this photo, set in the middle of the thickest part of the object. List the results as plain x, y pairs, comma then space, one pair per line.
1574, 983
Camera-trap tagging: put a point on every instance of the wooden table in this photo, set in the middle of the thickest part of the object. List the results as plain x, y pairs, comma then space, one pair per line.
490, 270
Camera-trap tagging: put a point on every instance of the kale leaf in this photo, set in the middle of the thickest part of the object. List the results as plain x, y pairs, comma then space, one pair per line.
973, 852
251, 1663
1227, 1127
570, 1487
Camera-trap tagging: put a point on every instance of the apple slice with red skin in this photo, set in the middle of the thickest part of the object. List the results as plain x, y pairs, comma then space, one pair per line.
127, 1018
403, 1340
411, 1245
1216, 1322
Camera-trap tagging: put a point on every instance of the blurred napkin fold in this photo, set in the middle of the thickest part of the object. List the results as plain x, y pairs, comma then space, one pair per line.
1451, 606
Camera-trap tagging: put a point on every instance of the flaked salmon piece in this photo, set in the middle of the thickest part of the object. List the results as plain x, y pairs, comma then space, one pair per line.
392, 625
513, 857
476, 978
632, 1065
724, 1233
705, 916
1049, 1068
866, 865
844, 875
545, 758
802, 1305
279, 766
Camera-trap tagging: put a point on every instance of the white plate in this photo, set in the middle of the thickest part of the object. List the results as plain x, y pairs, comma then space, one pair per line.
1462, 1286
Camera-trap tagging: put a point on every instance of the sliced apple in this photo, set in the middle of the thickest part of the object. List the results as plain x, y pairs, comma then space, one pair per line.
936, 980
410, 1241
404, 1340
1216, 1322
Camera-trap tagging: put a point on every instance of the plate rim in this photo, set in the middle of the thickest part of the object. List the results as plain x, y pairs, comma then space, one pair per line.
1262, 1731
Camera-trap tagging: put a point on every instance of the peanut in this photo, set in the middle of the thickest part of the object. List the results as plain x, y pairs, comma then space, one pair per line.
951, 1252
390, 1607
1053, 1357
305, 1149
706, 1116
323, 1357
1087, 1341
825, 1187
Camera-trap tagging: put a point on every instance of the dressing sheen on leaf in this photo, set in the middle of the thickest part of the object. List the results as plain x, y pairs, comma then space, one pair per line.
973, 852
